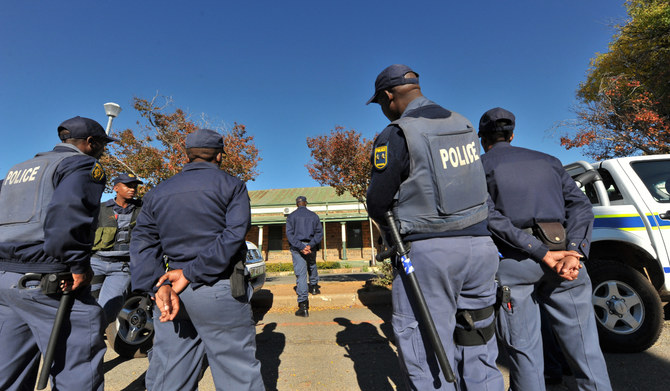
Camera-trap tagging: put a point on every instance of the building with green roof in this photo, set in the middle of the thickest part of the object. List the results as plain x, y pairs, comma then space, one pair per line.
346, 225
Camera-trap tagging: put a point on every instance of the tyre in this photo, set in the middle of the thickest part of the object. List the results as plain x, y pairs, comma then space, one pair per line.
131, 335
628, 310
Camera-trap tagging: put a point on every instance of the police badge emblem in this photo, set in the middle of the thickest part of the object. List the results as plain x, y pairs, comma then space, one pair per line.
97, 172
381, 155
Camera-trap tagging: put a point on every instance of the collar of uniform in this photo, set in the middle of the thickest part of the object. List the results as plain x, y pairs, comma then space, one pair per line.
501, 144
110, 202
416, 103
199, 166
61, 146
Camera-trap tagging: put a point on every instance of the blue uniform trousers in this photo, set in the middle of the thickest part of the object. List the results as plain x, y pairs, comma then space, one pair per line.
304, 267
210, 322
26, 320
453, 273
114, 288
568, 307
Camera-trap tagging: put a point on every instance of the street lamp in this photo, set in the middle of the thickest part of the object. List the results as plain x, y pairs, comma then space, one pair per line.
112, 110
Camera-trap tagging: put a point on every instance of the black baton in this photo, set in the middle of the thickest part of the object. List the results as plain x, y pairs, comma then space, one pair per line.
63, 310
424, 313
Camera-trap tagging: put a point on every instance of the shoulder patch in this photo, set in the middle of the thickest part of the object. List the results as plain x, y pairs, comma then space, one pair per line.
381, 156
97, 172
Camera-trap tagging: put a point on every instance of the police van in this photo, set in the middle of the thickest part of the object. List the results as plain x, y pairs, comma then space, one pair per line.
629, 260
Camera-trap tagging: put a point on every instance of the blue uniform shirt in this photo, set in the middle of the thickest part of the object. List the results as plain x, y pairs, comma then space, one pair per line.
303, 225
198, 219
385, 182
526, 187
68, 226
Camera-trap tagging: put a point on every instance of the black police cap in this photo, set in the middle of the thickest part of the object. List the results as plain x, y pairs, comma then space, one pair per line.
126, 179
391, 76
496, 120
82, 128
204, 138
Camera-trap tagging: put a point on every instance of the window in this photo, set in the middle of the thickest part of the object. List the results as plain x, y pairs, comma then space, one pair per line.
354, 234
655, 174
275, 237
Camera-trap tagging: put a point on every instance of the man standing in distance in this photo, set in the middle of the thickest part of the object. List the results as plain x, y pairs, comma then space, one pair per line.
426, 170
304, 234
535, 196
110, 262
194, 225
48, 210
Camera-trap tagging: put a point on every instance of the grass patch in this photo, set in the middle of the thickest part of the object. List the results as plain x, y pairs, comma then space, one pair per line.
288, 267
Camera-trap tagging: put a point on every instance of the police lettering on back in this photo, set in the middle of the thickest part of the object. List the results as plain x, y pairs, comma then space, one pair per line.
459, 156
21, 176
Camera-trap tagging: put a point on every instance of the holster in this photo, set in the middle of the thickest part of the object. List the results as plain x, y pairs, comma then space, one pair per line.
552, 234
49, 283
238, 280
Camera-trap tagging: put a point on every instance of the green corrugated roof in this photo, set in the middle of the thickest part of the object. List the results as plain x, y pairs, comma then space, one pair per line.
280, 197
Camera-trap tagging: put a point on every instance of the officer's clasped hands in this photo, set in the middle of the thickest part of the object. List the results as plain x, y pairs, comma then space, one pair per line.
167, 301
565, 263
176, 278
167, 297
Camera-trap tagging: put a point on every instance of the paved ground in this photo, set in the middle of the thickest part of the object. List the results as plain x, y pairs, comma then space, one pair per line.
346, 344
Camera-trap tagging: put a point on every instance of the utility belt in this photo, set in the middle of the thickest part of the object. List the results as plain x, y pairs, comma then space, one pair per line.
236, 273
552, 234
121, 258
49, 283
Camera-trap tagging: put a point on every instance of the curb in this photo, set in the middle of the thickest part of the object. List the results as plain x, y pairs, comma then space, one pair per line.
267, 300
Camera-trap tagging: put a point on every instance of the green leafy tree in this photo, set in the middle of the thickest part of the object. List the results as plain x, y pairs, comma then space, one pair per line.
625, 101
156, 150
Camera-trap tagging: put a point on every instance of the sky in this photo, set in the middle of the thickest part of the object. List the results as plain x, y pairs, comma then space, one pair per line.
289, 70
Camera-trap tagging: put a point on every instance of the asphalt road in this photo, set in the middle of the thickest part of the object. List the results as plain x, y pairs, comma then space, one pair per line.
349, 349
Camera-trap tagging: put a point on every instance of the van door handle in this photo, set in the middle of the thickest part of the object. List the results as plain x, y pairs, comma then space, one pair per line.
665, 216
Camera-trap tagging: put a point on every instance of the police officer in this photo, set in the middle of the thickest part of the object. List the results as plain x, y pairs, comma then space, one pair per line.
48, 208
304, 234
111, 272
534, 195
426, 169
194, 225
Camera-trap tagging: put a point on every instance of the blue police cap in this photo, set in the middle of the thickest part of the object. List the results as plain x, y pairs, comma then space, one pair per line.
496, 120
204, 138
392, 76
81, 127
126, 179
301, 199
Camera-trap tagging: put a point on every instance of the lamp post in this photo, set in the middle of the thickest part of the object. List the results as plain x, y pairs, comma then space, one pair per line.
112, 110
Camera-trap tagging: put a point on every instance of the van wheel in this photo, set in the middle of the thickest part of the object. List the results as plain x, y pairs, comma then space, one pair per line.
131, 335
628, 309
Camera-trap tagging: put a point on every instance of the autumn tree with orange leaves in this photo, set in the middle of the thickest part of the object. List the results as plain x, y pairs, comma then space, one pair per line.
341, 160
625, 100
623, 121
156, 150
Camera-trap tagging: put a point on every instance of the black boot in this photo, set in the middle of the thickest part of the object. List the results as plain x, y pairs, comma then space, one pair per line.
303, 308
314, 289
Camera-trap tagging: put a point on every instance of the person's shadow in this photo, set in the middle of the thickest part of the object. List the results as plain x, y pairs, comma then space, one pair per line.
375, 362
269, 346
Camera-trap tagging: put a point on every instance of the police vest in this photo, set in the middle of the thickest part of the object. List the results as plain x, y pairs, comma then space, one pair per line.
446, 187
112, 237
26, 193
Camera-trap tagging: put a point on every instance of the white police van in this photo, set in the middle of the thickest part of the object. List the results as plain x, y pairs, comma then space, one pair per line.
132, 334
629, 258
